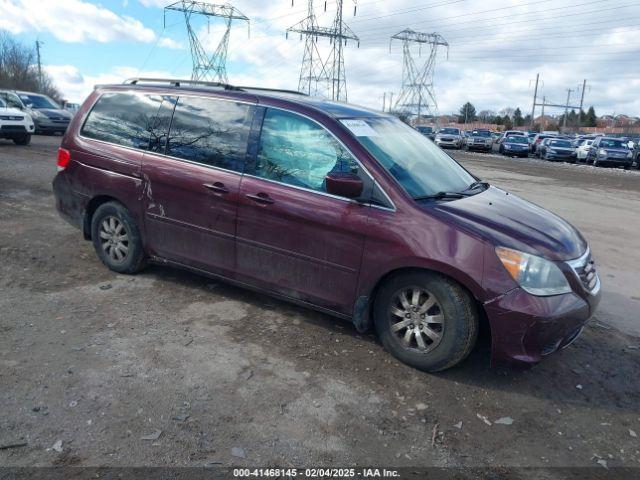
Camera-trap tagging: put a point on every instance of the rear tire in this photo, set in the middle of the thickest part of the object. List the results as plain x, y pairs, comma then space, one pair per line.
116, 239
22, 140
447, 329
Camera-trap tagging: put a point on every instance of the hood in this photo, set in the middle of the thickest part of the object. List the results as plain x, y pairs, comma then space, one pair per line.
12, 112
504, 219
55, 113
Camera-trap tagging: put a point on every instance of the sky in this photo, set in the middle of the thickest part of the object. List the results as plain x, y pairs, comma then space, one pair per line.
496, 47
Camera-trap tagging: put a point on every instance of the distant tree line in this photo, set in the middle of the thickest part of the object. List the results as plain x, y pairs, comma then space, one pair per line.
510, 117
19, 71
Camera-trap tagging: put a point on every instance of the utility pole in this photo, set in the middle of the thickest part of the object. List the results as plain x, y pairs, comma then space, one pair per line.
207, 67
417, 84
315, 72
566, 109
533, 108
40, 81
544, 101
584, 86
384, 101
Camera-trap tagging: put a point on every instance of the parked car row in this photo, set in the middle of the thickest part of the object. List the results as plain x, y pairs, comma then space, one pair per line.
25, 113
597, 150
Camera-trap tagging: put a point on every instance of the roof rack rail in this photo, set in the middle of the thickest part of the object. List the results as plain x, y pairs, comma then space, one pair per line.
264, 89
178, 82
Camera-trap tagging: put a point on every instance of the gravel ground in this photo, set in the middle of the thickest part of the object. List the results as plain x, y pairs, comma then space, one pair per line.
169, 368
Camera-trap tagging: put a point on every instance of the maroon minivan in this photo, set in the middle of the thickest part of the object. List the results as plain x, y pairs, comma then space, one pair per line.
328, 205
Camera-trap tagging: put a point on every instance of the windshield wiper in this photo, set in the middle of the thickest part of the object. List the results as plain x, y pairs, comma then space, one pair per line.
442, 196
477, 184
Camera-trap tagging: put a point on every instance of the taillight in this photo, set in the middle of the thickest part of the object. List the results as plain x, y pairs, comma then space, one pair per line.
64, 157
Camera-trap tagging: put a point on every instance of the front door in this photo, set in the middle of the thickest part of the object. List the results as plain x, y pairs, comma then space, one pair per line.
293, 237
192, 182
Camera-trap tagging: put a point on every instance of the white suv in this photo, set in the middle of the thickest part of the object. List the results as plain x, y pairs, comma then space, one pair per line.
15, 124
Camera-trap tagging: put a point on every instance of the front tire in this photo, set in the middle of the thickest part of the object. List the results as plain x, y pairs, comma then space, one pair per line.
426, 320
22, 140
116, 239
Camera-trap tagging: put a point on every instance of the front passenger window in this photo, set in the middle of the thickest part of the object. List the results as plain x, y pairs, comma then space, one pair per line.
298, 151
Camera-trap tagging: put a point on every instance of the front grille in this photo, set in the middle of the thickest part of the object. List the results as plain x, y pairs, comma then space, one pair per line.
585, 269
11, 117
13, 128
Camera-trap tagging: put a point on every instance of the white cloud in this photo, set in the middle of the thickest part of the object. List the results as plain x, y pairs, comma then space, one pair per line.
170, 43
76, 87
71, 21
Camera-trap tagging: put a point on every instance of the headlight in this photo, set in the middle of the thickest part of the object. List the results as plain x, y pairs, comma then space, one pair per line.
534, 274
36, 113
602, 152
551, 151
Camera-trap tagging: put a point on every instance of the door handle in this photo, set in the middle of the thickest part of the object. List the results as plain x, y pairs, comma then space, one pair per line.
216, 187
262, 198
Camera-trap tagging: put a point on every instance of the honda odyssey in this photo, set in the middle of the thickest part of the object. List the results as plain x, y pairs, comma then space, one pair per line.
328, 205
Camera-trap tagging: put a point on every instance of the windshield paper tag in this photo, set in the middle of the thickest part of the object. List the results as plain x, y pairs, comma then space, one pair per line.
359, 128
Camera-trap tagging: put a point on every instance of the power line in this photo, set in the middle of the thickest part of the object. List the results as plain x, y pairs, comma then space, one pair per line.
475, 20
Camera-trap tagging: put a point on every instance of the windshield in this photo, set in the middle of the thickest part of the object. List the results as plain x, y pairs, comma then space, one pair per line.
415, 162
560, 143
481, 133
516, 139
38, 101
612, 143
450, 131
2, 104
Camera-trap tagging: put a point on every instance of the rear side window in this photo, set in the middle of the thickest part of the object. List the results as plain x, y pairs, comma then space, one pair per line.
211, 132
123, 118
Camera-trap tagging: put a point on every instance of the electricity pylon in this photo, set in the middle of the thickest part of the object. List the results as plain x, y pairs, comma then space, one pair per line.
417, 83
208, 67
313, 73
317, 75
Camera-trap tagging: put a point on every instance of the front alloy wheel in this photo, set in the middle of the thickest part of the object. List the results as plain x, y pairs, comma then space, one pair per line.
416, 319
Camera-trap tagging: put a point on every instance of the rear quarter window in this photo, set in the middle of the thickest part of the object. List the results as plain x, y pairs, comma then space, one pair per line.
123, 118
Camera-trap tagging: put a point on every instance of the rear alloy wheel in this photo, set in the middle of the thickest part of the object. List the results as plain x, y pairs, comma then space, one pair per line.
426, 320
116, 238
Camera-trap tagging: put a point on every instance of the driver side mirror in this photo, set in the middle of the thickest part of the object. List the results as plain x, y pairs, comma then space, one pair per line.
347, 185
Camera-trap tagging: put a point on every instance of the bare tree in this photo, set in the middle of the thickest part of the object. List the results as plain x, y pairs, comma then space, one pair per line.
18, 72
507, 112
486, 116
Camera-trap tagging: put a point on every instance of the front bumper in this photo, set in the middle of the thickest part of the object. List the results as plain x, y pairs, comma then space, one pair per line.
448, 143
480, 146
525, 328
623, 161
15, 130
48, 125
516, 152
562, 158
